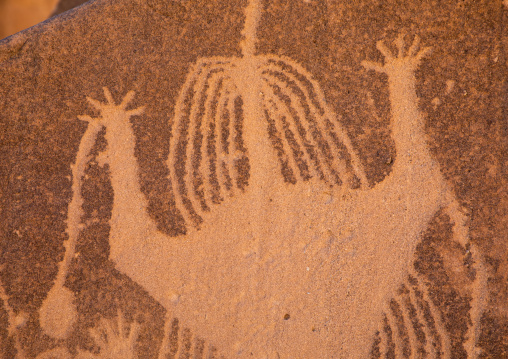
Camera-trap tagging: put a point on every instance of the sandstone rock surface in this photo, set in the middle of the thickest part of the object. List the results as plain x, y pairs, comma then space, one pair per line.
255, 179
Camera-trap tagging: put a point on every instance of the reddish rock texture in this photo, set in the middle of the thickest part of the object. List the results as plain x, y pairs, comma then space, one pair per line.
47, 72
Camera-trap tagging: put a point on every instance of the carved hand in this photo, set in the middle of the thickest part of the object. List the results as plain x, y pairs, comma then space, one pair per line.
399, 62
110, 111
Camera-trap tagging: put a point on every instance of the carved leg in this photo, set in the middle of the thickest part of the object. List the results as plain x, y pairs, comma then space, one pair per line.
479, 286
459, 219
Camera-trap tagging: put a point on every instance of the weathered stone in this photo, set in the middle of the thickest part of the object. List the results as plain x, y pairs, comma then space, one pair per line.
255, 179
65, 5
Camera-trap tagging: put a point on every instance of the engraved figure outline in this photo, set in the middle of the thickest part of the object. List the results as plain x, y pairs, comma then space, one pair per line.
399, 68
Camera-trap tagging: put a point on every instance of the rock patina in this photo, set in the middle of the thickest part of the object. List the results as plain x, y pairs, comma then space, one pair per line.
255, 179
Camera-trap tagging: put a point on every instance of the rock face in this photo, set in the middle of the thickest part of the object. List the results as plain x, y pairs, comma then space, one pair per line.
65, 5
255, 179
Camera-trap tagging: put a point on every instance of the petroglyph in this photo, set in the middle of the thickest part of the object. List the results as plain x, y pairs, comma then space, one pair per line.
235, 118
14, 322
58, 312
416, 325
181, 343
283, 232
115, 340
257, 259
112, 337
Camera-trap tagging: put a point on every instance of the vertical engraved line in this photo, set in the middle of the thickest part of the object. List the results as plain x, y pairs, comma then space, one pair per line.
199, 348
346, 176
234, 151
408, 325
210, 163
186, 344
276, 139
478, 302
396, 332
415, 330
406, 329
249, 31
75, 210
165, 339
434, 337
390, 344
302, 130
178, 130
12, 330
194, 177
375, 351
176, 341
181, 162
272, 112
356, 163
299, 98
242, 165
171, 348
228, 179
226, 143
291, 139
436, 314
175, 338
205, 116
429, 348
300, 155
238, 124
206, 350
223, 127
383, 344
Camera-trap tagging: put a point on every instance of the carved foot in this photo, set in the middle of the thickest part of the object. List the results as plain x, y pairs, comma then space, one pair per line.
395, 63
113, 340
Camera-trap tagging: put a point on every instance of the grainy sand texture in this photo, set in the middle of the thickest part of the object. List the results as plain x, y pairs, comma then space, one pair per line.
255, 179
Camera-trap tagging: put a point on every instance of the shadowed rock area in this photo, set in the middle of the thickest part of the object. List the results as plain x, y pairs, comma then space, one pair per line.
255, 179
65, 5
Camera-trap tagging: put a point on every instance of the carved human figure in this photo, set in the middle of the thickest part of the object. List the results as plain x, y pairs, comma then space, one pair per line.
285, 240
254, 273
